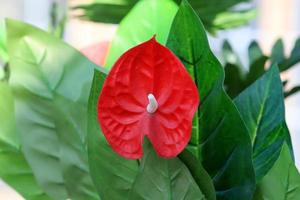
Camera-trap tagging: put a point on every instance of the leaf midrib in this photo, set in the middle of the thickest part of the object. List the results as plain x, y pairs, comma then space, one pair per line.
261, 111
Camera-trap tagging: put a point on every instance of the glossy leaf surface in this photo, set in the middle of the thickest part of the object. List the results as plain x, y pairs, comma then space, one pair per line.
200, 175
222, 142
160, 178
50, 82
282, 182
262, 108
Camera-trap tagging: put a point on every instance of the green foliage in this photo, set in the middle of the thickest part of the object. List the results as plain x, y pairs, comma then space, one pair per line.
106, 166
282, 182
147, 18
160, 178
216, 14
52, 147
154, 178
50, 113
3, 49
201, 177
262, 108
145, 180
108, 12
219, 122
239, 78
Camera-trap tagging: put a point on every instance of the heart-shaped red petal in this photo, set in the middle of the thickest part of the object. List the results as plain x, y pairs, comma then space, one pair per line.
148, 74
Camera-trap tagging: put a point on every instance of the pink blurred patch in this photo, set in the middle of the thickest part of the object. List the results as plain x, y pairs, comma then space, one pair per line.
96, 52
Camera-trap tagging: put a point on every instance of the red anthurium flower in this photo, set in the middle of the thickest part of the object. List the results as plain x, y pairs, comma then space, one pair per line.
148, 92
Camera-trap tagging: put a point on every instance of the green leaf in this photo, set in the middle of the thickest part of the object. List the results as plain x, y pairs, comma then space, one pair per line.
262, 108
3, 49
294, 57
230, 19
216, 14
256, 69
234, 79
229, 55
282, 182
201, 177
254, 52
14, 169
222, 142
147, 18
116, 2
160, 178
213, 7
50, 82
113, 175
105, 13
292, 91
2, 73
277, 55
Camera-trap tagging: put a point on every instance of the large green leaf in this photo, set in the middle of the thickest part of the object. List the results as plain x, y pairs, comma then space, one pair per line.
282, 182
222, 142
262, 108
50, 82
160, 178
156, 178
14, 169
147, 18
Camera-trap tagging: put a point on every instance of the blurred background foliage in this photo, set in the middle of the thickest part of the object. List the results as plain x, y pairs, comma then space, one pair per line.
58, 19
57, 23
215, 14
239, 77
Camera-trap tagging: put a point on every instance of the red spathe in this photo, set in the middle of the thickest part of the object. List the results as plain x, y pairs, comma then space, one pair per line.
148, 68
